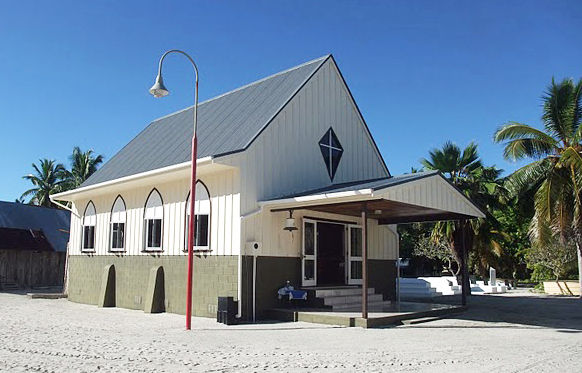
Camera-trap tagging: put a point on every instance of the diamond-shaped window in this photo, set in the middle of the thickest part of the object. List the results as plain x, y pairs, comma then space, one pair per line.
332, 151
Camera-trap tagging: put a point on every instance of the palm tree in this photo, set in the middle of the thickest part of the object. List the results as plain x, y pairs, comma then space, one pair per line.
451, 162
555, 175
47, 180
456, 166
483, 186
83, 165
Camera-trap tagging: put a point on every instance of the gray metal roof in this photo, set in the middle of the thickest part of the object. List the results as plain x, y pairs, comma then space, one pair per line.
374, 184
54, 223
226, 124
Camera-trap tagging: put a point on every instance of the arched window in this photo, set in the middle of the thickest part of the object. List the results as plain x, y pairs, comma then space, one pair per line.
89, 221
153, 217
117, 225
202, 218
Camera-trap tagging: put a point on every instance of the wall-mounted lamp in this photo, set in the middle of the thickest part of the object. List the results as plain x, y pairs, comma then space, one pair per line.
290, 222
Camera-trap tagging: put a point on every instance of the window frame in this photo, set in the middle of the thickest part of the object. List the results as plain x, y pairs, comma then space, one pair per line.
83, 225
111, 222
328, 152
145, 247
198, 249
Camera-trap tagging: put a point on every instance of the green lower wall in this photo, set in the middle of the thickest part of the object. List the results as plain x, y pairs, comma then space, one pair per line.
382, 277
213, 276
272, 274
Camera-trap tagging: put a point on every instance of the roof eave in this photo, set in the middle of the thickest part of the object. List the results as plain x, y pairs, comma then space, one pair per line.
66, 196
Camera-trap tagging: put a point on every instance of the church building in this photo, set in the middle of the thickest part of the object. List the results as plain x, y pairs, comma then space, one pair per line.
291, 187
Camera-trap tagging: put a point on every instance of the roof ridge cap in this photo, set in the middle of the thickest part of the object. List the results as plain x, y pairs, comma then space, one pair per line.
244, 86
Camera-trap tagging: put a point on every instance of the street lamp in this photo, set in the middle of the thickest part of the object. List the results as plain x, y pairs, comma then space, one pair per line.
159, 90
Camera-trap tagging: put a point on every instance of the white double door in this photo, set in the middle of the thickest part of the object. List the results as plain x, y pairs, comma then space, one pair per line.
352, 250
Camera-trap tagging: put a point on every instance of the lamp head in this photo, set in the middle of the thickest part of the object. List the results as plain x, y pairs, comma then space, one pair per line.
290, 223
159, 89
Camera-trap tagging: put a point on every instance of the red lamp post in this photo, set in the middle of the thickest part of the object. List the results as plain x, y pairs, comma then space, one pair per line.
159, 90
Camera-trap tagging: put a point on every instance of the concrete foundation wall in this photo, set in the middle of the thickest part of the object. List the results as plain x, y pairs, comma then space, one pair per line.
32, 269
272, 274
382, 277
214, 276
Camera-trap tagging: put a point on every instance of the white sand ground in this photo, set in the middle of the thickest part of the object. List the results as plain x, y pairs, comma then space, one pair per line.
520, 333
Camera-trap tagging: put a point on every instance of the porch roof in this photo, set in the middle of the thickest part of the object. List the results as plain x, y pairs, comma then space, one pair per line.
418, 197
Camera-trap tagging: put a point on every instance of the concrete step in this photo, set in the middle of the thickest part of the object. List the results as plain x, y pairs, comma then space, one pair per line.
346, 299
357, 307
421, 320
322, 293
415, 286
418, 290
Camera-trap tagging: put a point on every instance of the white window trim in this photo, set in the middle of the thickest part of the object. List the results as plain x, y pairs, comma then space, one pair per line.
111, 222
94, 225
153, 249
195, 248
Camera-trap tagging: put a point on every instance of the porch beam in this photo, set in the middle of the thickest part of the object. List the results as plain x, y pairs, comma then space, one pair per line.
364, 260
421, 218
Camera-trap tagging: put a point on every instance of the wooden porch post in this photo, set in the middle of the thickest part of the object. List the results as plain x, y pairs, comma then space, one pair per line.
465, 269
364, 260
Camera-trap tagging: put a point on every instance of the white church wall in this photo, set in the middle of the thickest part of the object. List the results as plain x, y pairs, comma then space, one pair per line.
286, 157
224, 189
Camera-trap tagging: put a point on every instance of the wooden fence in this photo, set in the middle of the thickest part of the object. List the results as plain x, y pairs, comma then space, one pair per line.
30, 269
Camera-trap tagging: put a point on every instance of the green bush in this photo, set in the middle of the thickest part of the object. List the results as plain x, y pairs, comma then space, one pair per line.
541, 273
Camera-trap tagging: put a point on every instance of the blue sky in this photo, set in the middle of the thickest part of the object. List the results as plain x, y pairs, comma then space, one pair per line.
422, 72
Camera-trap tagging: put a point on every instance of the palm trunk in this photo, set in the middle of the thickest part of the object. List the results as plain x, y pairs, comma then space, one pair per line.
457, 246
579, 250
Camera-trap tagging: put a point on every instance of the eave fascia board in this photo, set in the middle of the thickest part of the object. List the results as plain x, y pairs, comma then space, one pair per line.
319, 199
64, 196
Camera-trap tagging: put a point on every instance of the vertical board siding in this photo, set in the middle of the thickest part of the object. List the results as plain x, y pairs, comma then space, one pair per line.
286, 157
225, 217
267, 228
433, 192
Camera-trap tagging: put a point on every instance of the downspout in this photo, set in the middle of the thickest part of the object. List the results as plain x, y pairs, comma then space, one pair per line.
66, 274
395, 231
240, 267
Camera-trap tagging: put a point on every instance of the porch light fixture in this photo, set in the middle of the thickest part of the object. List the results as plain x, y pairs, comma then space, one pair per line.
159, 90
290, 223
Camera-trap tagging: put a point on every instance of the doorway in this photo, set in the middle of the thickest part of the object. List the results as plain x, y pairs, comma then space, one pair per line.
331, 254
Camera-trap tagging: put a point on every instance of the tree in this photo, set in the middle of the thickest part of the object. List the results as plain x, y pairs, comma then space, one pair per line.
514, 221
451, 162
480, 184
47, 180
554, 256
83, 165
555, 175
438, 250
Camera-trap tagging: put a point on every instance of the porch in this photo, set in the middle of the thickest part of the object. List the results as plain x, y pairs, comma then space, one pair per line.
421, 197
394, 313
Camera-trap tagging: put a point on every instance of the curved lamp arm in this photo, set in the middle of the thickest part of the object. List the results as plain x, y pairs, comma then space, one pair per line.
159, 85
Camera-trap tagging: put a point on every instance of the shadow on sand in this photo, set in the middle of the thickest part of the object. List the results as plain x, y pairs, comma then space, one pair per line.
523, 311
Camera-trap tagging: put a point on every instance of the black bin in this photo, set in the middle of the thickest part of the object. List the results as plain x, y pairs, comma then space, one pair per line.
227, 309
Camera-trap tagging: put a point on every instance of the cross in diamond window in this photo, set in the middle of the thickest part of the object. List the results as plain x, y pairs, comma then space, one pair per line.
332, 151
